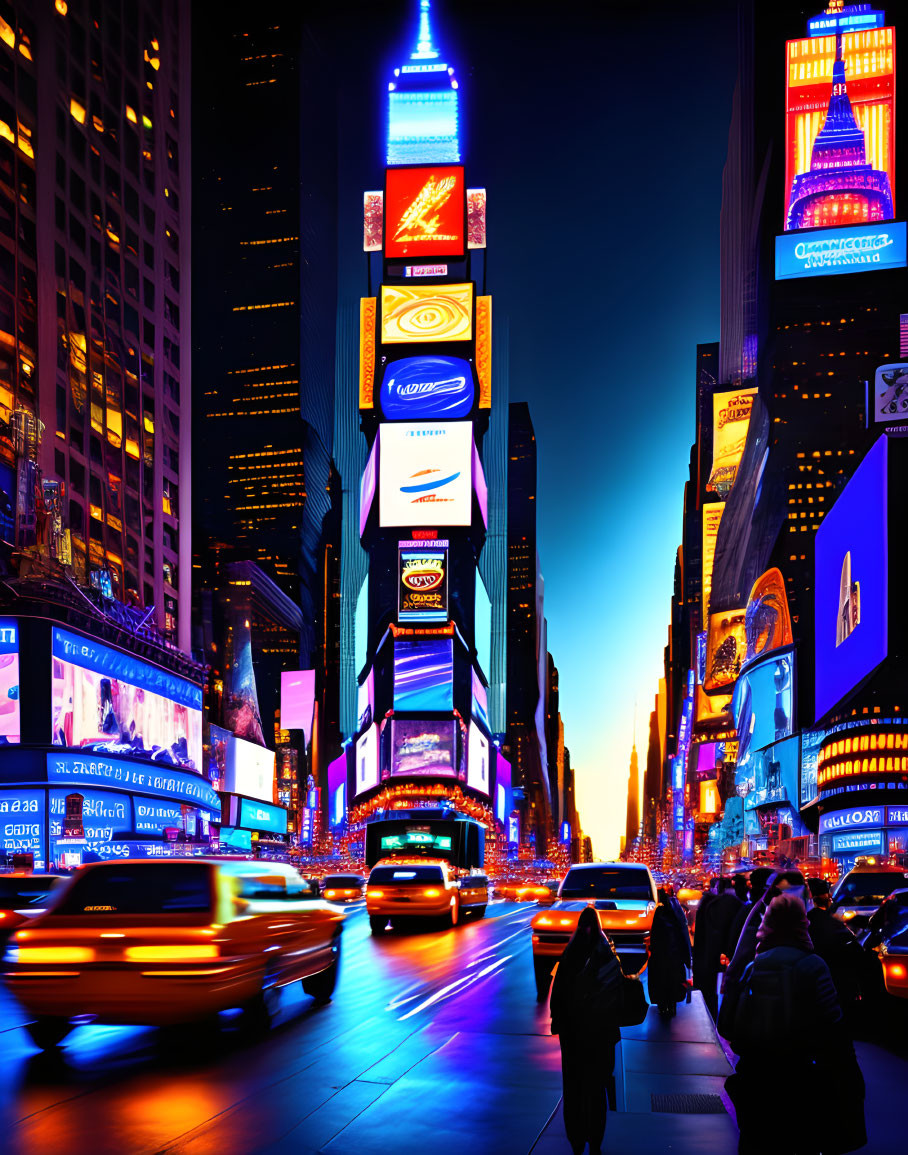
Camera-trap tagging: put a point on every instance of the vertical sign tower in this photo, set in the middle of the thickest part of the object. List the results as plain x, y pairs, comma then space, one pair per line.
425, 393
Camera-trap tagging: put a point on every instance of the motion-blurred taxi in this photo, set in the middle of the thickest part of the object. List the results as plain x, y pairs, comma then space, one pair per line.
399, 889
167, 941
624, 896
887, 936
859, 894
23, 897
523, 891
344, 887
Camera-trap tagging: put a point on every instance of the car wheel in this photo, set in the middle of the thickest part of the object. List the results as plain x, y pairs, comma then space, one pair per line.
321, 986
47, 1031
261, 1008
543, 970
377, 924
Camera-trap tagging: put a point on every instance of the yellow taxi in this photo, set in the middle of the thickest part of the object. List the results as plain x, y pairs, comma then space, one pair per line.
858, 895
159, 942
344, 887
524, 891
400, 889
624, 896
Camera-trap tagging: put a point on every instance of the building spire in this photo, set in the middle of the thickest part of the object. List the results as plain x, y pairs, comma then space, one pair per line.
425, 50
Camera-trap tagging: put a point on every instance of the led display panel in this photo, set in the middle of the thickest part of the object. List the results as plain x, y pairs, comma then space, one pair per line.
365, 701
725, 649
367, 310
480, 698
234, 838
250, 770
261, 816
480, 488
156, 780
153, 817
373, 210
478, 760
767, 622
426, 388
423, 584
731, 420
297, 700
423, 749
110, 701
337, 791
422, 117
425, 472
10, 725
367, 486
476, 218
425, 212
218, 741
762, 703
712, 517
420, 313
424, 675
482, 631
484, 350
890, 393
851, 595
856, 249
811, 740
22, 823
840, 129
367, 760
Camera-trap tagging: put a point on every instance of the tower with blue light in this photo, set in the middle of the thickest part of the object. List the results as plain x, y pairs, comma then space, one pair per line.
422, 105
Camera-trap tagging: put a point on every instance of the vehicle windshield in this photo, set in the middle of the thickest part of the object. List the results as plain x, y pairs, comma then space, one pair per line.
632, 885
868, 889
20, 893
140, 888
405, 875
343, 880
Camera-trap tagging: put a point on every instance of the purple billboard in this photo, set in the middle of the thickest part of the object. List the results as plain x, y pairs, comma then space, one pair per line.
422, 749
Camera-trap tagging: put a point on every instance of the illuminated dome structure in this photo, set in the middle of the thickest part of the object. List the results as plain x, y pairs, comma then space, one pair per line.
840, 188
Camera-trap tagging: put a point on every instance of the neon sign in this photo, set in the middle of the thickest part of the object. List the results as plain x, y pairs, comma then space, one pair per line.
167, 782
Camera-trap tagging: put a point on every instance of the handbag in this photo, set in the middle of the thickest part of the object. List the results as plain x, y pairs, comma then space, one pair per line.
634, 1006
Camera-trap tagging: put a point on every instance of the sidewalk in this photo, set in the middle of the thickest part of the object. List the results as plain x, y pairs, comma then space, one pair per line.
670, 1095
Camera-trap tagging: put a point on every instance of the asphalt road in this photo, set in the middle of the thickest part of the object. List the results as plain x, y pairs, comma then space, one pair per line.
422, 1027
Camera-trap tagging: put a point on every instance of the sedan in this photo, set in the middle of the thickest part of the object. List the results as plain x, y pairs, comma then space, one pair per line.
24, 897
160, 942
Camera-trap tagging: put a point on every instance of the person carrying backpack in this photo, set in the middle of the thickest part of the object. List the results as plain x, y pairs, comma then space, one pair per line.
586, 1004
783, 1012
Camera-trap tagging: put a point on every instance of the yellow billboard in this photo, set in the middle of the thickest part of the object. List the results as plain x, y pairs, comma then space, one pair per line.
426, 313
484, 350
731, 419
712, 516
725, 648
366, 352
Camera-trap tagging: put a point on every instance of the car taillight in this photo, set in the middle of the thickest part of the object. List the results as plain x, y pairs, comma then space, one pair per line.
330, 893
564, 922
431, 892
896, 970
375, 894
176, 952
55, 954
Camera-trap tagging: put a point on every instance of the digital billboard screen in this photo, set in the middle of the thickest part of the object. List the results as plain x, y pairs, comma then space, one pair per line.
424, 675
482, 632
425, 474
260, 816
478, 760
250, 770
365, 701
725, 649
10, 725
480, 698
762, 703
422, 749
851, 595
367, 760
890, 393
337, 791
22, 823
297, 700
136, 777
237, 839
425, 388
424, 212
110, 701
104, 813
367, 486
712, 518
855, 249
420, 313
767, 622
774, 773
731, 420
480, 487
840, 129
423, 584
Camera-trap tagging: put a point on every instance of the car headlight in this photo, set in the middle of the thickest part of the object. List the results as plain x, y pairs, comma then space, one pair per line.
11, 955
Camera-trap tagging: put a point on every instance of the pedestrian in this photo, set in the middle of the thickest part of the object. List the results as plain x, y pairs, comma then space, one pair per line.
791, 881
715, 925
756, 889
669, 957
585, 1004
708, 897
838, 947
784, 1010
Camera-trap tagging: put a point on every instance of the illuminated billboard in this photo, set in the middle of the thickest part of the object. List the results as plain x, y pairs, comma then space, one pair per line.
476, 218
480, 487
160, 781
367, 487
423, 388
851, 594
337, 791
365, 701
424, 675
10, 725
484, 350
261, 816
297, 700
890, 393
480, 698
767, 622
762, 703
424, 209
423, 749
419, 313
725, 648
250, 770
478, 760
107, 700
367, 311
425, 472
775, 775
840, 129
712, 516
731, 419
855, 249
367, 760
373, 211
482, 632
423, 584
104, 813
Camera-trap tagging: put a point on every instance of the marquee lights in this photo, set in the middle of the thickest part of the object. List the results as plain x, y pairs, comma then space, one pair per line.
864, 755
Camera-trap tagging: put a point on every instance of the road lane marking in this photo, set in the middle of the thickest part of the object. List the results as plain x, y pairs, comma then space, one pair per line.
466, 980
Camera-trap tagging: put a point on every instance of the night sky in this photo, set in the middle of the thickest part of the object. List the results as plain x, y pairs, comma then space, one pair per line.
599, 130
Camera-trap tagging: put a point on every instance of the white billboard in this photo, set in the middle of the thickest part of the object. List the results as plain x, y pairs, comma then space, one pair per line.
478, 764
367, 760
249, 770
425, 473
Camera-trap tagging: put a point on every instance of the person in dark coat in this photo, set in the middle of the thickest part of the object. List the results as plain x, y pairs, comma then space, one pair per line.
837, 946
669, 957
784, 1010
717, 922
585, 1004
782, 882
756, 889
699, 950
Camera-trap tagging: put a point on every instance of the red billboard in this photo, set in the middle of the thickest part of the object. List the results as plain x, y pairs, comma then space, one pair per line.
424, 212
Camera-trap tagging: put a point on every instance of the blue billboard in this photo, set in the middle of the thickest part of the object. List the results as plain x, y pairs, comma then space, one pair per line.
427, 387
262, 816
134, 777
854, 249
22, 823
851, 593
424, 675
864, 842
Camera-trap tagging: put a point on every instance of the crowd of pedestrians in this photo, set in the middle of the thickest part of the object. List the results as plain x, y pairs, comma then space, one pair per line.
790, 974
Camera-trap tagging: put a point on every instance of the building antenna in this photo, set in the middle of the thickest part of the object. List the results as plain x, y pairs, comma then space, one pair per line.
634, 735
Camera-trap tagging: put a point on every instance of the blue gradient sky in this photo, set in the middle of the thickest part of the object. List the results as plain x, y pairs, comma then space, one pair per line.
601, 141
